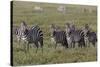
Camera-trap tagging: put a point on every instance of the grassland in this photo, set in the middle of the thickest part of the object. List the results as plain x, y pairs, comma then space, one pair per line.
24, 11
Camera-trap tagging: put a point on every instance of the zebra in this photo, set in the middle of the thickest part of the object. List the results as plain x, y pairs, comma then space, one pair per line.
20, 31
89, 35
69, 29
58, 36
15, 29
92, 38
85, 30
34, 35
74, 36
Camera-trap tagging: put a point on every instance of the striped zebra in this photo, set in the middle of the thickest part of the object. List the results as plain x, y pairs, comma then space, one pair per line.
58, 36
20, 31
89, 35
69, 28
74, 36
34, 35
85, 30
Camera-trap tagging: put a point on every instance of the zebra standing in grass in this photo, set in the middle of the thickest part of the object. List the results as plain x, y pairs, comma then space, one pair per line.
89, 36
92, 38
68, 29
74, 36
58, 36
34, 35
86, 29
20, 31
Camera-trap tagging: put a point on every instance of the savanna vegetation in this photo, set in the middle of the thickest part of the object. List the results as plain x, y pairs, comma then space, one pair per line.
78, 14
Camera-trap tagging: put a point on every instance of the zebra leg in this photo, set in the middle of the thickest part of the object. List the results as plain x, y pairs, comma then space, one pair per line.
19, 39
28, 46
37, 45
93, 43
25, 46
41, 43
86, 41
79, 44
89, 44
65, 44
73, 44
19, 43
84, 45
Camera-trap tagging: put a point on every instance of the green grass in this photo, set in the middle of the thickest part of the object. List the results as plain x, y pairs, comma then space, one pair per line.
24, 11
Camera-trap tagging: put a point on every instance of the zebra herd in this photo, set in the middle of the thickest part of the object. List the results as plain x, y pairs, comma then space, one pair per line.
67, 38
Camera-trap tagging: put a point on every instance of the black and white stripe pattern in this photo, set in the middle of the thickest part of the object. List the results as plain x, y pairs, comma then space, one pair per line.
34, 35
74, 35
59, 36
20, 31
92, 38
85, 30
89, 35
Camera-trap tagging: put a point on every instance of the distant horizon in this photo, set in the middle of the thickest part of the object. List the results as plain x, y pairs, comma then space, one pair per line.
77, 2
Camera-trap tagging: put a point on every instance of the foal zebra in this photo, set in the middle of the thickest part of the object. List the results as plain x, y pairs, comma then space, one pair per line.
59, 36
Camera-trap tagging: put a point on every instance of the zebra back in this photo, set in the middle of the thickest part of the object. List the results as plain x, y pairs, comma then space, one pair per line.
36, 33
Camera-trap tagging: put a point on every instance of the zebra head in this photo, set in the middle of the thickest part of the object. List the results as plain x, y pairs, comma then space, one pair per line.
70, 28
23, 30
52, 29
86, 30
67, 28
23, 26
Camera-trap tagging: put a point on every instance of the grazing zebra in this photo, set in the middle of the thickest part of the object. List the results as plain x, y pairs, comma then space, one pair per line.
34, 35
59, 36
74, 36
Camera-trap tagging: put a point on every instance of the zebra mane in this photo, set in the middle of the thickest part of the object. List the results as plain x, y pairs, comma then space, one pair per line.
34, 26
